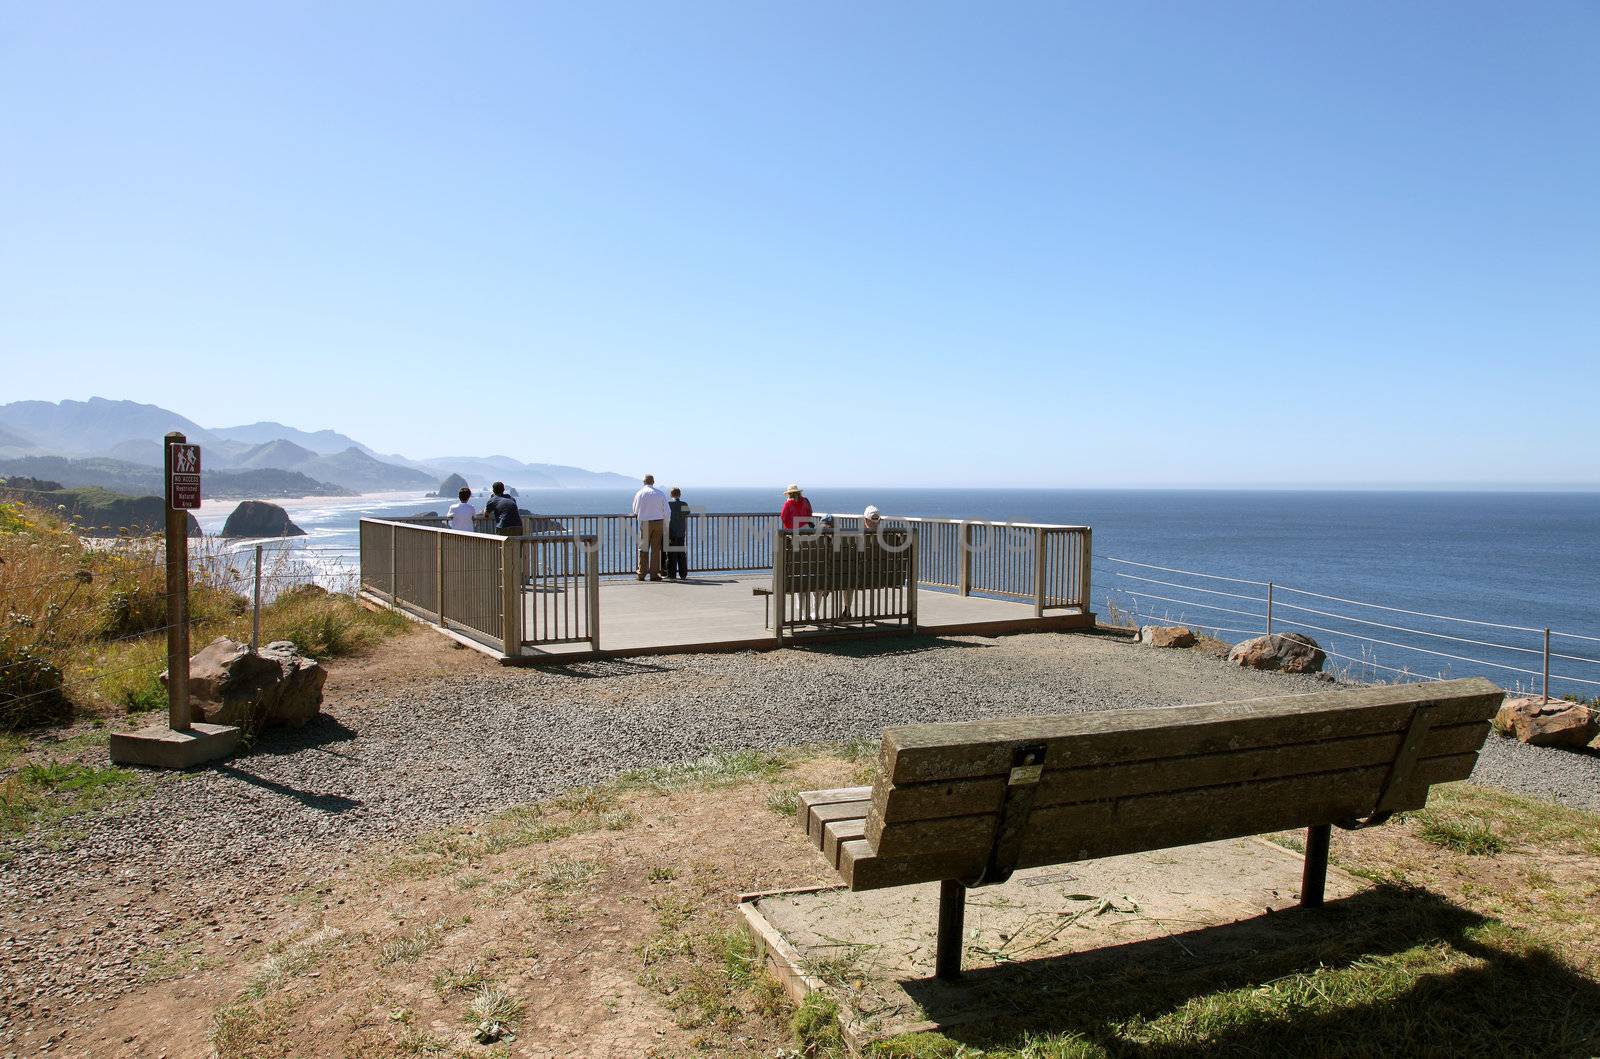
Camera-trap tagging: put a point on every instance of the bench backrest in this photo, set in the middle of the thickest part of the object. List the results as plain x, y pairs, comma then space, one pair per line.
840, 560
946, 799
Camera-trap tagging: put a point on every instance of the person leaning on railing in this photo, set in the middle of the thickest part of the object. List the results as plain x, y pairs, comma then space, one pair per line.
461, 514
796, 512
650, 508
677, 537
504, 516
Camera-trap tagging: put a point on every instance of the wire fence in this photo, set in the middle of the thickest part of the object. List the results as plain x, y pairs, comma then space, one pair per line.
1372, 641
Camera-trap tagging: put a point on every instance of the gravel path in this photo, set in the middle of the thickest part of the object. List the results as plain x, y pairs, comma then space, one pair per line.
388, 762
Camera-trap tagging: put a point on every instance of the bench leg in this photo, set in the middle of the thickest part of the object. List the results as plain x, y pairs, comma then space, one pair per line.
1313, 880
952, 911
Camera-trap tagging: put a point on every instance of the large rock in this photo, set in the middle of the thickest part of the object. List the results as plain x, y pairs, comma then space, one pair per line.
451, 486
257, 518
1288, 652
1540, 723
277, 686
1166, 636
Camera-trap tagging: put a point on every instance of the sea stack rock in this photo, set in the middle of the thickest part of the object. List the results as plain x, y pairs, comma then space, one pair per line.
257, 518
451, 486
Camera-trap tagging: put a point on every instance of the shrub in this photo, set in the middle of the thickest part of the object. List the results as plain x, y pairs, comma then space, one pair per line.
30, 687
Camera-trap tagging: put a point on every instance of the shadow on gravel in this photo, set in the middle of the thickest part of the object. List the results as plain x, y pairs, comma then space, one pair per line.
320, 731
882, 647
328, 803
601, 668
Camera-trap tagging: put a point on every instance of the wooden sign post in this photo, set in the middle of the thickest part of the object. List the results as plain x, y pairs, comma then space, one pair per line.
183, 495
179, 743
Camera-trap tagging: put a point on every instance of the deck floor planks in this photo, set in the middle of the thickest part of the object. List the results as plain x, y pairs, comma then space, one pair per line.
718, 608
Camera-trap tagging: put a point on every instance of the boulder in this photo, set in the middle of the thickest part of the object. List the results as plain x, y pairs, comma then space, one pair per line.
1166, 636
228, 684
451, 486
257, 518
1287, 652
1540, 723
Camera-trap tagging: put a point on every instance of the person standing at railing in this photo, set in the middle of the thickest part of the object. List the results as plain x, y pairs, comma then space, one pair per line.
504, 515
796, 512
678, 536
650, 508
462, 514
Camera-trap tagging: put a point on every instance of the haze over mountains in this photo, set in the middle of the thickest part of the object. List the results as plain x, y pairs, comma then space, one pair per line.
116, 445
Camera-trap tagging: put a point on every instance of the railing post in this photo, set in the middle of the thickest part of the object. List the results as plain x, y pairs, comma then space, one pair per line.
1085, 566
1269, 608
255, 610
438, 574
1038, 571
394, 567
911, 588
964, 574
1545, 684
511, 596
779, 604
592, 584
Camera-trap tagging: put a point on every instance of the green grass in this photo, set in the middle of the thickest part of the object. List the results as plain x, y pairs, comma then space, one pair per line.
1472, 836
720, 769
1528, 820
45, 794
1396, 972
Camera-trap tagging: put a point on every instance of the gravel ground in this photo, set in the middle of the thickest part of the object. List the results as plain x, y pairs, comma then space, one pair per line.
389, 761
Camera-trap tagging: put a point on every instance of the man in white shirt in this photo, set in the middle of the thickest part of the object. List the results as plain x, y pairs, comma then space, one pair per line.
461, 514
650, 508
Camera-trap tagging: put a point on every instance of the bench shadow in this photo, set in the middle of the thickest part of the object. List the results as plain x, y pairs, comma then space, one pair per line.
1499, 995
880, 646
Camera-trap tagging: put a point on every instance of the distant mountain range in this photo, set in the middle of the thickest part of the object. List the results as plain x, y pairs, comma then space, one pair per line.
117, 445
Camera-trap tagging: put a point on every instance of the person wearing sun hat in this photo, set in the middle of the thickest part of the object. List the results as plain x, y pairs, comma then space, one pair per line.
796, 513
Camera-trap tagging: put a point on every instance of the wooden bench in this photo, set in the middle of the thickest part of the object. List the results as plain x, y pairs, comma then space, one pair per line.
965, 804
825, 570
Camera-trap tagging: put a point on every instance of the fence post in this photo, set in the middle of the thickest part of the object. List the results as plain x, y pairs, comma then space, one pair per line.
911, 588
511, 597
255, 611
592, 586
394, 560
1545, 689
1085, 565
780, 606
1269, 608
964, 577
438, 573
1038, 571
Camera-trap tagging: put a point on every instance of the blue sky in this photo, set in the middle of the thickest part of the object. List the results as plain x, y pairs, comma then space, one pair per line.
745, 243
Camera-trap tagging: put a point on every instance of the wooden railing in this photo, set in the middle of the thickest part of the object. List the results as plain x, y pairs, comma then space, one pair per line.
456, 578
460, 581
1047, 565
844, 579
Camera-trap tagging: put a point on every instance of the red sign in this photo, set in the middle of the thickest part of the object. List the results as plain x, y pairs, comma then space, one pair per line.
183, 476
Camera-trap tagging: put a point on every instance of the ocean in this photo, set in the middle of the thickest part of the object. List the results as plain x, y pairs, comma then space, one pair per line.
1528, 560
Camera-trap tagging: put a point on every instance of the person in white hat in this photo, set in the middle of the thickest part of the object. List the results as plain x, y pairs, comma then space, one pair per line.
870, 518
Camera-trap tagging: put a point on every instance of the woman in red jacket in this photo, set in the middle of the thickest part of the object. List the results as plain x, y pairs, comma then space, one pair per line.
796, 513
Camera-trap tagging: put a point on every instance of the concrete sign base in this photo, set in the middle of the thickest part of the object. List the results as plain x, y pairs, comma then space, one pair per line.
160, 747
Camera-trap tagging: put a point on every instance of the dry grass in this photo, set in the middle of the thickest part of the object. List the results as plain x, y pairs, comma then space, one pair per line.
81, 626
